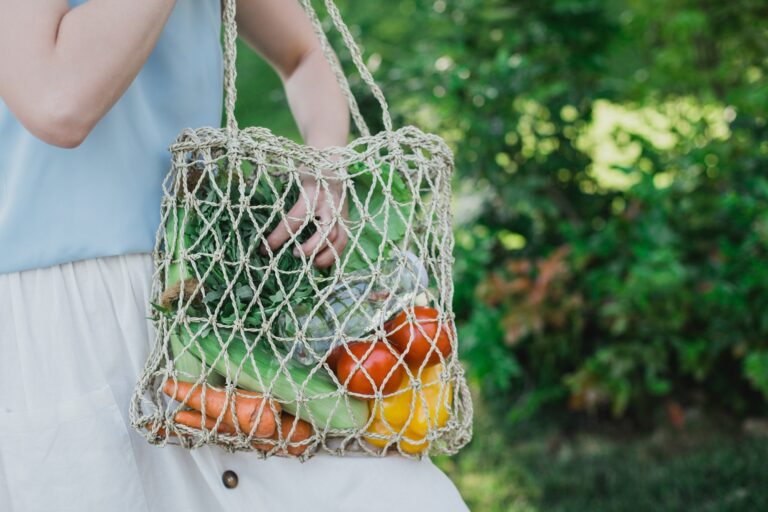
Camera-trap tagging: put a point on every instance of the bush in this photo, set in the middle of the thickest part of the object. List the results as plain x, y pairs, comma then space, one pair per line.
584, 280
611, 297
611, 196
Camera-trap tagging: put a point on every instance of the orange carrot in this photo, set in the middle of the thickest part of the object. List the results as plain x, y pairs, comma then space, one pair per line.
251, 410
160, 431
194, 419
265, 447
302, 432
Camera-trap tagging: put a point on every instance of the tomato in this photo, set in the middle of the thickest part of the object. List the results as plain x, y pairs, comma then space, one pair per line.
424, 339
364, 368
333, 358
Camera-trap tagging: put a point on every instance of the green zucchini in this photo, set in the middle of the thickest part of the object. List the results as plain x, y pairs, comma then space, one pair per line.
260, 371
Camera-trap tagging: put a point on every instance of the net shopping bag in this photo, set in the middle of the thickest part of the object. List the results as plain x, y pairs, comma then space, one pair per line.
258, 349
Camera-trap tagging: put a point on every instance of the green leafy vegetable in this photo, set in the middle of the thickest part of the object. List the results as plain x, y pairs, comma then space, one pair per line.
235, 232
387, 216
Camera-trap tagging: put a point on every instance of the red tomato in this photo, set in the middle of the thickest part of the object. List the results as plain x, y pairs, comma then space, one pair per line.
419, 341
365, 362
333, 358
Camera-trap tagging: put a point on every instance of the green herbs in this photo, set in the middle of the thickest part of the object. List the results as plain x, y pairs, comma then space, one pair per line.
223, 232
226, 233
215, 242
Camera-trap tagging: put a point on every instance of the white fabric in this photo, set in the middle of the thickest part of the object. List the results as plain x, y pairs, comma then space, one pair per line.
73, 338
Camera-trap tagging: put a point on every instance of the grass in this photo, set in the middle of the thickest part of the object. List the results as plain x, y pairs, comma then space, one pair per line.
728, 475
703, 468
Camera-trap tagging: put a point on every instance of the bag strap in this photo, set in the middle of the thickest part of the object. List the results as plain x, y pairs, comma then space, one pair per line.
230, 72
230, 58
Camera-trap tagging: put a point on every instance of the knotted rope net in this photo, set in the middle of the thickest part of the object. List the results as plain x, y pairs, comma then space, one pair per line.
257, 348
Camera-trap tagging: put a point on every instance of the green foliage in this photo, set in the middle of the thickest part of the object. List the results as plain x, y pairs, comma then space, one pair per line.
709, 465
705, 468
588, 278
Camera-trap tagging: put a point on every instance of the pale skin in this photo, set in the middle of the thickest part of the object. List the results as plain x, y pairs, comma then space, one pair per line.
62, 69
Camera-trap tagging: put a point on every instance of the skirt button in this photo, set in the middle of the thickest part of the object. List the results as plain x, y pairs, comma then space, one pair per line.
229, 478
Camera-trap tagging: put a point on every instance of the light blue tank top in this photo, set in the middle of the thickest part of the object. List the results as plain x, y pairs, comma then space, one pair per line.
103, 197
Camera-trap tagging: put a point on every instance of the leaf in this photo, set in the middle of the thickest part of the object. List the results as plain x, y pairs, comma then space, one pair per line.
244, 292
756, 370
212, 296
386, 214
217, 231
161, 309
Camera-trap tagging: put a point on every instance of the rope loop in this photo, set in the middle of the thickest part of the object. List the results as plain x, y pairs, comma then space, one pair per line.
230, 58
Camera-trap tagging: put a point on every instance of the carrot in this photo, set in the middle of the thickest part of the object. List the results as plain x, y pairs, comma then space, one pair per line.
253, 413
160, 431
302, 432
265, 447
194, 419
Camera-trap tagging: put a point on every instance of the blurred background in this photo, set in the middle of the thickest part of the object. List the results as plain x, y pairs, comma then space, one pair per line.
611, 216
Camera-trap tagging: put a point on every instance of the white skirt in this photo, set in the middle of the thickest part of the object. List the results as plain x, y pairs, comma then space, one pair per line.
73, 339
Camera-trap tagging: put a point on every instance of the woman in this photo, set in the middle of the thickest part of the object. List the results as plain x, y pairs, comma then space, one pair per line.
92, 94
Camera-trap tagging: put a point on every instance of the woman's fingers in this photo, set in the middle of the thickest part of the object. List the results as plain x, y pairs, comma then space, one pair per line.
340, 242
333, 252
330, 239
289, 226
323, 237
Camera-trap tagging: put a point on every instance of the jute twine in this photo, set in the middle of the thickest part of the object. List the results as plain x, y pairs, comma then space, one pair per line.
212, 160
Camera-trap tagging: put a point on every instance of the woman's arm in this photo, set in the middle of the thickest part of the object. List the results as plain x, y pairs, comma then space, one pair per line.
62, 69
281, 32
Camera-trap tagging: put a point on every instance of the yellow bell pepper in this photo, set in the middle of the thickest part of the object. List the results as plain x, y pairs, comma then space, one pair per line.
378, 427
412, 447
433, 407
395, 409
430, 411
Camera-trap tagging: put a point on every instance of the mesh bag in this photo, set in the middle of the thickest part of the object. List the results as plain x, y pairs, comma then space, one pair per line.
258, 349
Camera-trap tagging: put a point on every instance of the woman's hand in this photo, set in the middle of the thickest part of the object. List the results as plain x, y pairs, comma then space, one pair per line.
281, 32
324, 200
